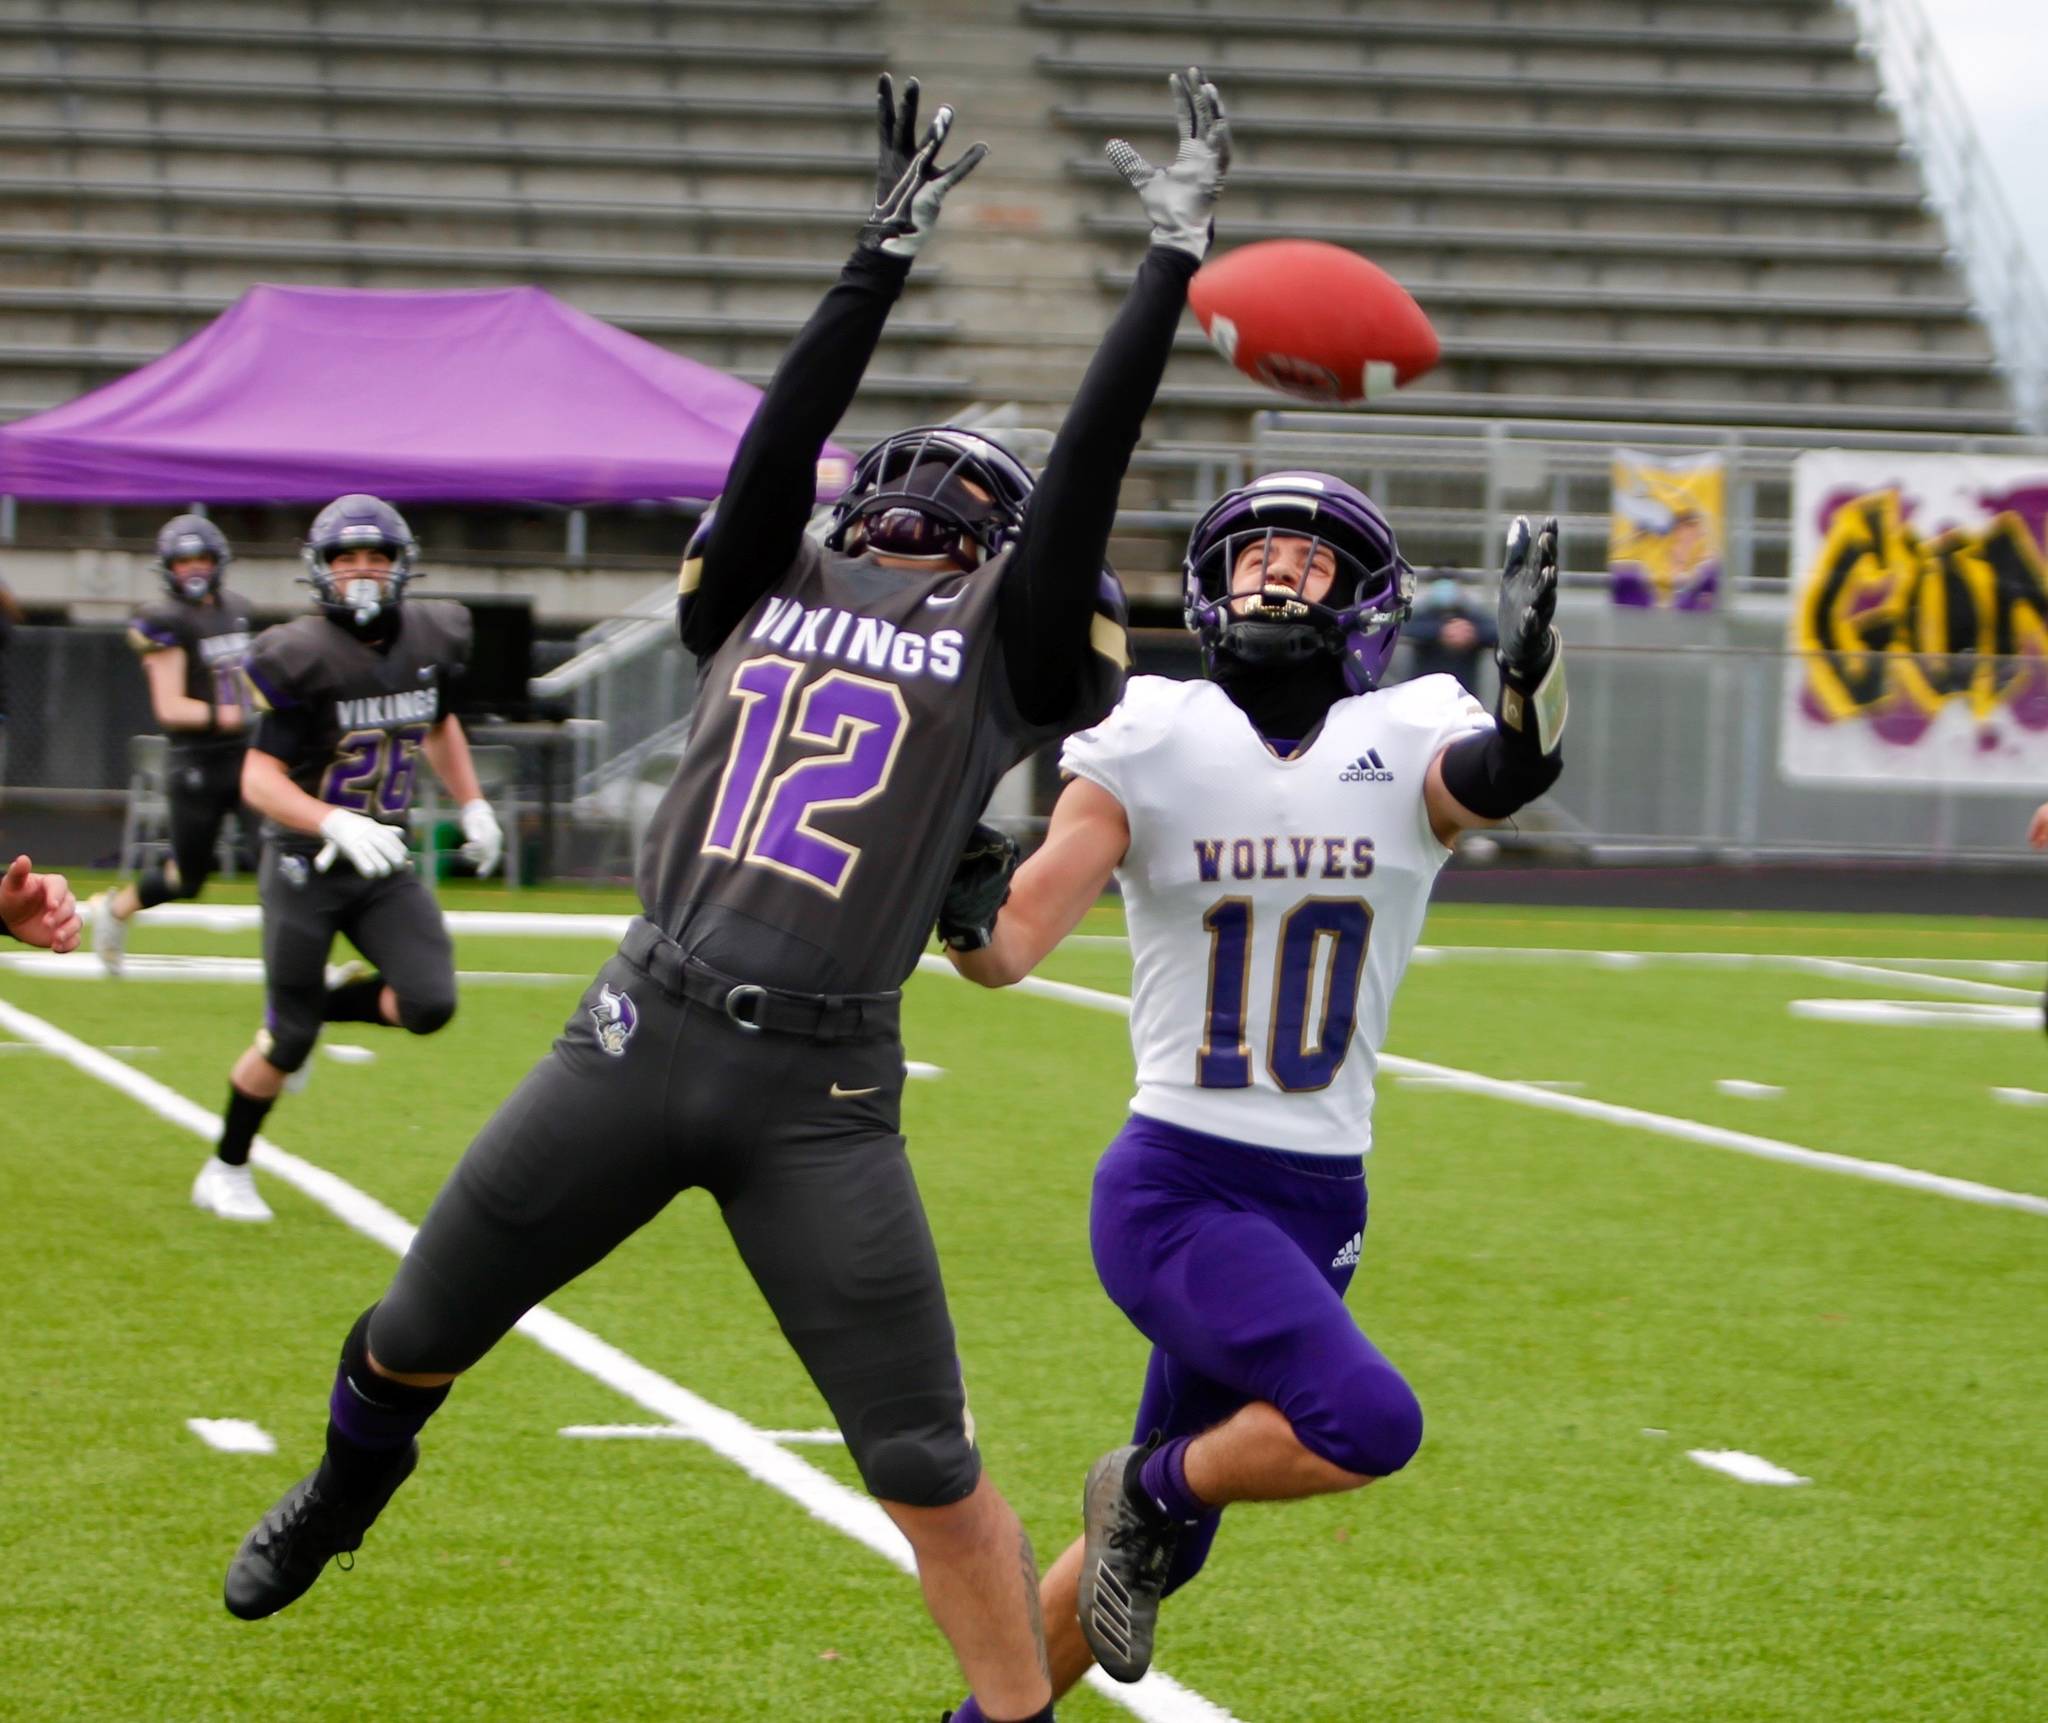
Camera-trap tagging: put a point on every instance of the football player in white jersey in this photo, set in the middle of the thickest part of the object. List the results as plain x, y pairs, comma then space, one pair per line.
1275, 829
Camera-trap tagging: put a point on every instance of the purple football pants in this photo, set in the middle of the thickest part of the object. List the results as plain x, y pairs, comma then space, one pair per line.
1233, 1260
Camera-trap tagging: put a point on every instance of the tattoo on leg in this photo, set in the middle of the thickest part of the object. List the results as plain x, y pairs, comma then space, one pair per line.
1029, 1563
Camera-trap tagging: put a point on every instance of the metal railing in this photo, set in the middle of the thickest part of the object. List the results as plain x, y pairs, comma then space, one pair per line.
1960, 179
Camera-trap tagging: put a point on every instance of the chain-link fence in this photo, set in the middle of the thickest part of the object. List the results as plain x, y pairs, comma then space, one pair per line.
1678, 751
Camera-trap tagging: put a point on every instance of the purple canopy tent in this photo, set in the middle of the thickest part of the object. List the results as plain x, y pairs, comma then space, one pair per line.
297, 394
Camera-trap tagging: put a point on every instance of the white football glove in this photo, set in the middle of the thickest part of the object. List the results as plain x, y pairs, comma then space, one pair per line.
1181, 199
483, 844
369, 846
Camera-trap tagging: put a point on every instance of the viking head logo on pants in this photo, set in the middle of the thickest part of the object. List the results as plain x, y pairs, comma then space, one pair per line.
615, 1019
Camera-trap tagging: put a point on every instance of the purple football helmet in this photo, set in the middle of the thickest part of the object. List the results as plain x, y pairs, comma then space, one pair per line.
185, 536
358, 522
906, 498
1358, 620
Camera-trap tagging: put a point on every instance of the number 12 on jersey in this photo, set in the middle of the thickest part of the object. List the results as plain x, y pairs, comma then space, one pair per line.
1298, 1057
858, 719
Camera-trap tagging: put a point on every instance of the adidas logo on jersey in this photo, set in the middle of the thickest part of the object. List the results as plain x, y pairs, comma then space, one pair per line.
1348, 1256
1368, 768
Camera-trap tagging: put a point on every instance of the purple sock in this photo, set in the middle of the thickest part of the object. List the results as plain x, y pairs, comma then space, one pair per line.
1164, 1480
969, 1712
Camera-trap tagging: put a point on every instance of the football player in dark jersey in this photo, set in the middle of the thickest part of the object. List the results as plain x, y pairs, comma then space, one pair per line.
858, 700
192, 642
349, 699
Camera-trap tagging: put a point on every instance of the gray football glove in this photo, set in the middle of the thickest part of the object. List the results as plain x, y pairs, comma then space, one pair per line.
909, 183
1181, 198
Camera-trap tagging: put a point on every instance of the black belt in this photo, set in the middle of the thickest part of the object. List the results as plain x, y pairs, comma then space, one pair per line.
821, 1016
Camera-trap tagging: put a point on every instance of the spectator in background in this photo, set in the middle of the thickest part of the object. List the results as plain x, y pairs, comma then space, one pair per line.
1449, 632
38, 908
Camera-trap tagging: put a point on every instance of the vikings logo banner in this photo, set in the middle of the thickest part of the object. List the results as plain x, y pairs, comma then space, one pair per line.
1667, 541
1919, 620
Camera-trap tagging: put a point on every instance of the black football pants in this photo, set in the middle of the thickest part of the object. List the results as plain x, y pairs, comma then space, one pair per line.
799, 1142
201, 789
392, 921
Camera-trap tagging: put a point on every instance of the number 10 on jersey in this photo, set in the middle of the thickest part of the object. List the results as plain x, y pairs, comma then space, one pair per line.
1300, 1058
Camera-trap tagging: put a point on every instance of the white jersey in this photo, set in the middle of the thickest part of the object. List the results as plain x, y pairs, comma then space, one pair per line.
1272, 903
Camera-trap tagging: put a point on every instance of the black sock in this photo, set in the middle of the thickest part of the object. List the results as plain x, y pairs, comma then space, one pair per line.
355, 1002
371, 1418
238, 1129
154, 888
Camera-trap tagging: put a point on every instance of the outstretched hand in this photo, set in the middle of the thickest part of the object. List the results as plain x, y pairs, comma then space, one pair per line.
1181, 197
909, 184
38, 908
1528, 601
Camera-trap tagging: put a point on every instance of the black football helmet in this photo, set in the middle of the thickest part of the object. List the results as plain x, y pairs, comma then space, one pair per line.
184, 536
358, 522
907, 498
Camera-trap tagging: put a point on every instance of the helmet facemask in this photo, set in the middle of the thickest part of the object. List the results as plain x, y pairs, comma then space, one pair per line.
364, 601
937, 495
186, 538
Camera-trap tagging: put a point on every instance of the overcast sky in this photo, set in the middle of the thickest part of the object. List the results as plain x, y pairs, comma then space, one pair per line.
1998, 53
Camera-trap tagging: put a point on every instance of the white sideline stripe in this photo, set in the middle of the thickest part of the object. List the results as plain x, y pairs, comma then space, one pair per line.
2020, 1097
535, 924
45, 966
676, 1433
1583, 1106
233, 1435
1156, 1699
1750, 1468
1919, 1013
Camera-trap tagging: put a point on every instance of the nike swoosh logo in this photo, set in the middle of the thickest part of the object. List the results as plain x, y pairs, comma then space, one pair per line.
839, 1094
938, 600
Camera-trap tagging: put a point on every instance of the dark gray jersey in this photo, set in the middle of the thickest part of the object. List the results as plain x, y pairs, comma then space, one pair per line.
846, 736
346, 717
215, 639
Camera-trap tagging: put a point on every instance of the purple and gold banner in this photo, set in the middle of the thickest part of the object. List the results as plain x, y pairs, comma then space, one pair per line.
1667, 541
1920, 620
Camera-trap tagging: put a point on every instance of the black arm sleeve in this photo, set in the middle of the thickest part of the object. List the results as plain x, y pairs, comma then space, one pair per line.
773, 484
1500, 771
1048, 595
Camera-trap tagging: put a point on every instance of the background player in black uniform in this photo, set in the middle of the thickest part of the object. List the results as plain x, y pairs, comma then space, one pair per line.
350, 699
192, 642
857, 702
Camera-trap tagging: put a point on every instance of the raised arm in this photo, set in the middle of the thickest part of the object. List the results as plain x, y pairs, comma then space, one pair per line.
773, 484
1049, 590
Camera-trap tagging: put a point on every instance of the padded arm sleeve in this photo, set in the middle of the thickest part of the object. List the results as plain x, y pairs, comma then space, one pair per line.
1500, 771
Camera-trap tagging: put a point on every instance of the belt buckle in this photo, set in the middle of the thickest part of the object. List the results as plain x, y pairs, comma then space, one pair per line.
746, 990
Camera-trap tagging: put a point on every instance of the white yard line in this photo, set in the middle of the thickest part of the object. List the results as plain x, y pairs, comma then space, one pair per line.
677, 1433
1157, 1699
526, 924
1582, 1106
1920, 1013
1750, 1468
233, 1435
245, 970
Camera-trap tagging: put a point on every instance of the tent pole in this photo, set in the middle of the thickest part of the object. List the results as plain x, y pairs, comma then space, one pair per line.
578, 535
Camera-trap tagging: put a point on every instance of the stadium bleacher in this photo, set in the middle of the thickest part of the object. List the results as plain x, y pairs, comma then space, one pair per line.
1667, 211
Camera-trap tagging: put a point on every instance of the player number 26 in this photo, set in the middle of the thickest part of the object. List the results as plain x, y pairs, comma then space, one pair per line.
1321, 958
374, 769
766, 820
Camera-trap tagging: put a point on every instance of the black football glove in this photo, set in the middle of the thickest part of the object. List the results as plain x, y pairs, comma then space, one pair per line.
909, 183
978, 889
1532, 679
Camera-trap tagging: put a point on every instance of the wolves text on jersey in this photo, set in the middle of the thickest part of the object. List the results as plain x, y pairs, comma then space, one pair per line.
826, 632
1283, 858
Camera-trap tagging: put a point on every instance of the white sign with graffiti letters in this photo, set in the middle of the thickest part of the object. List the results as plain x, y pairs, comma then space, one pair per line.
1920, 617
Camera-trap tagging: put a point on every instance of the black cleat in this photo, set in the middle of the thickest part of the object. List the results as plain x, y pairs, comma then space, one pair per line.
315, 1521
1124, 1564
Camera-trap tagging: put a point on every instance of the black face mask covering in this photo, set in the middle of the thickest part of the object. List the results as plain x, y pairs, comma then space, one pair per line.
1284, 701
